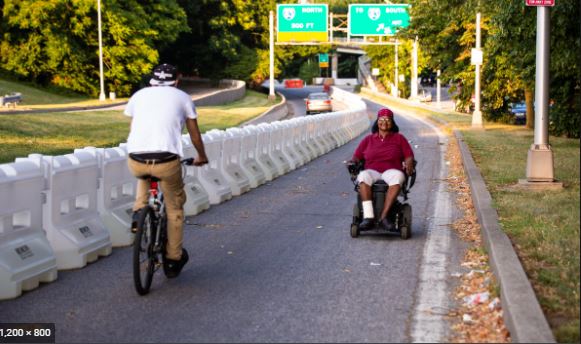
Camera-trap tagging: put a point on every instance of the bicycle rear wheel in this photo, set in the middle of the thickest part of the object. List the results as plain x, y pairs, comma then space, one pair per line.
143, 251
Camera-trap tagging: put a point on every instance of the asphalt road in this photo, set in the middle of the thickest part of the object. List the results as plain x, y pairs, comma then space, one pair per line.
277, 264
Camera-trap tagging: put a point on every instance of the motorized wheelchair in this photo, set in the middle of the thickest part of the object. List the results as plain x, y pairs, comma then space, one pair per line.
400, 213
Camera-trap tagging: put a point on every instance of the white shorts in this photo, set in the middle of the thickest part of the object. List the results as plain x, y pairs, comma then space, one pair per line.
390, 177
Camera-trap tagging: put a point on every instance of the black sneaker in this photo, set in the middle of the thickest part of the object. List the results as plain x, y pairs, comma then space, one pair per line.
134, 219
172, 268
387, 224
366, 224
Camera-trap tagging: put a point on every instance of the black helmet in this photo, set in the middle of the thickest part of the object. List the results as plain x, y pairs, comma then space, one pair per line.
164, 75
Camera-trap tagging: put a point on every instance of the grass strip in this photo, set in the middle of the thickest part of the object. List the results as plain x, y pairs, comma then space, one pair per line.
60, 133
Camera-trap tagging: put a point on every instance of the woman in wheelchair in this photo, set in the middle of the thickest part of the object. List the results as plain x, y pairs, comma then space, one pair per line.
387, 155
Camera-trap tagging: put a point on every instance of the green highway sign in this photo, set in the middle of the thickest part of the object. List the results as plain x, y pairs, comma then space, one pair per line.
302, 23
324, 60
377, 19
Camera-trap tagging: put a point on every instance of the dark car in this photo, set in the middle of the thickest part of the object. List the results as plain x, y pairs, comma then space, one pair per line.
318, 102
519, 111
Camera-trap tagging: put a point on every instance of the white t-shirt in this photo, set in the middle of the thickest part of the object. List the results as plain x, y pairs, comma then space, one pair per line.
159, 114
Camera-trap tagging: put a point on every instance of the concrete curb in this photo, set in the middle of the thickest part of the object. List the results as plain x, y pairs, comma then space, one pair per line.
522, 313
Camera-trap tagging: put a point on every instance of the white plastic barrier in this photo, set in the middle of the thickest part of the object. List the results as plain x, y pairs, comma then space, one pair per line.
304, 138
248, 160
116, 192
276, 142
322, 133
70, 217
294, 140
26, 257
210, 175
197, 198
316, 146
332, 121
299, 127
337, 120
263, 151
230, 161
284, 128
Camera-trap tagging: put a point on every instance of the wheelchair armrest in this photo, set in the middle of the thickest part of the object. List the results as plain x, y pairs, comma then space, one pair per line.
354, 167
411, 180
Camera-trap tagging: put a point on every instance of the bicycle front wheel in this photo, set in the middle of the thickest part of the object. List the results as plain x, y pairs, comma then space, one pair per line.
143, 251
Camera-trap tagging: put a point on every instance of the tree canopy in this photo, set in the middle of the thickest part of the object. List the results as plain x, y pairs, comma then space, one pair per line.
55, 42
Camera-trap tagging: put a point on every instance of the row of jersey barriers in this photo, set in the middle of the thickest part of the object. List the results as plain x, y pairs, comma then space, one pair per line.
62, 212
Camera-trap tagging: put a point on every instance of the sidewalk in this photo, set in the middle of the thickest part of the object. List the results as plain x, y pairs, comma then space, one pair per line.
523, 315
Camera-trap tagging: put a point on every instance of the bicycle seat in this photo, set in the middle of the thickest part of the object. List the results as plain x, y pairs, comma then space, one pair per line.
149, 177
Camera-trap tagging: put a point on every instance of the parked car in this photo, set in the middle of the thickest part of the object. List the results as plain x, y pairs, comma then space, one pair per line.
519, 110
318, 102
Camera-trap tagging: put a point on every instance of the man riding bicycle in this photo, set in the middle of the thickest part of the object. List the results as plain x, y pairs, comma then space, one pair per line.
158, 114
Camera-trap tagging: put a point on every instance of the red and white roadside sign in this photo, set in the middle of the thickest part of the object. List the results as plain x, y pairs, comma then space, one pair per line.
540, 2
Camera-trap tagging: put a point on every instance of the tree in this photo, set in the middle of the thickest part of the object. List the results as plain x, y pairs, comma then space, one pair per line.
55, 41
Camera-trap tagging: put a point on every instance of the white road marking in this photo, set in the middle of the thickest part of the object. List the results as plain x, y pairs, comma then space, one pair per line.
429, 322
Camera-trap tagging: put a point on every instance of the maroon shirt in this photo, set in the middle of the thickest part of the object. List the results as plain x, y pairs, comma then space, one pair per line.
383, 154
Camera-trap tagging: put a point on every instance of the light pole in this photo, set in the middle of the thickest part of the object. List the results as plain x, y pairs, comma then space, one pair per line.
414, 85
271, 95
477, 60
540, 165
396, 71
102, 82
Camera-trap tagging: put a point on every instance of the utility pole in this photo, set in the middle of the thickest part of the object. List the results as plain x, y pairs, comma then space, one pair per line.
438, 88
477, 60
414, 85
102, 82
271, 95
540, 169
396, 71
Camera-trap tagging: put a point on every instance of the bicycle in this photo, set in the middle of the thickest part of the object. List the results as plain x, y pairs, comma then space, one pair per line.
151, 236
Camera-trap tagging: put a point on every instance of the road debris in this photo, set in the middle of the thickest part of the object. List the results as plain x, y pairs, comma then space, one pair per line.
478, 317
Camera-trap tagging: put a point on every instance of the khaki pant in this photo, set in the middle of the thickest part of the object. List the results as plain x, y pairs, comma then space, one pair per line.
172, 186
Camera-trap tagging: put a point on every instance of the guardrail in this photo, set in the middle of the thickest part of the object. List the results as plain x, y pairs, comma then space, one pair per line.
62, 212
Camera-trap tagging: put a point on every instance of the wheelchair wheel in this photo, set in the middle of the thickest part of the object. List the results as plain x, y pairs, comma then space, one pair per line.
356, 220
354, 230
405, 222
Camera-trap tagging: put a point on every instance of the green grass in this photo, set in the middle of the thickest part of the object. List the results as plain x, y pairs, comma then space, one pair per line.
543, 225
33, 96
61, 133
236, 113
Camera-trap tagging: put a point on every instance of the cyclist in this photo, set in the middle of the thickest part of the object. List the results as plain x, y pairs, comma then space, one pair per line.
384, 151
158, 114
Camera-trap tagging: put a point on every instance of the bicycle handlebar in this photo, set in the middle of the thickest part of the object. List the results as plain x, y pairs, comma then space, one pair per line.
188, 161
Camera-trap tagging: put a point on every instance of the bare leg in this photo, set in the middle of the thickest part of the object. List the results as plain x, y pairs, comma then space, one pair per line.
390, 197
365, 192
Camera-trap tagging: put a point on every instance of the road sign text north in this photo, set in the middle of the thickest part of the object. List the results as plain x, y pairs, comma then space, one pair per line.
302, 23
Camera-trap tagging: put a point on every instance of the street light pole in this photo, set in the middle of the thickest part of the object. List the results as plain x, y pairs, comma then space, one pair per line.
477, 115
396, 71
540, 166
102, 82
271, 95
414, 88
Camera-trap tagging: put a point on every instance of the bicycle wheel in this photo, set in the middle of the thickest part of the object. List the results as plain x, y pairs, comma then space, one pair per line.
143, 255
